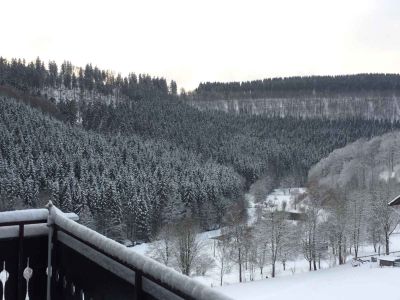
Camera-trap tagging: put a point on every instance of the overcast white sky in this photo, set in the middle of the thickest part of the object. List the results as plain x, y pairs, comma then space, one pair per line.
207, 40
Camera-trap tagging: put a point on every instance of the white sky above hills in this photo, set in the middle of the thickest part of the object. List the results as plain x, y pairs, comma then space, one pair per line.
208, 40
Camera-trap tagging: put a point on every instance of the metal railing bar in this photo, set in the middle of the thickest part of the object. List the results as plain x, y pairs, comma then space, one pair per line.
157, 291
107, 263
27, 222
20, 262
30, 230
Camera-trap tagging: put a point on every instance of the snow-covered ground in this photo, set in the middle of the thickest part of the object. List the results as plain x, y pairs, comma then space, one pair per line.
286, 199
251, 209
293, 268
331, 282
367, 282
341, 282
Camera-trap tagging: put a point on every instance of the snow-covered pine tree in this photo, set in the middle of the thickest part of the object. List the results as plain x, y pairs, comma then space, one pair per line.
142, 226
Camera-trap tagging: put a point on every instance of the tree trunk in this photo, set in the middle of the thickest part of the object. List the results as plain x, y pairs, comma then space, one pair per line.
273, 270
240, 272
240, 266
340, 254
387, 243
222, 272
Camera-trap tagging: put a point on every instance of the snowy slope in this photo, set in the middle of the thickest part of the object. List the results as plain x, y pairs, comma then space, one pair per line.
342, 282
295, 276
251, 209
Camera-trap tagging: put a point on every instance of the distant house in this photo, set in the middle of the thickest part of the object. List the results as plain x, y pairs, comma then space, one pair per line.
395, 203
389, 261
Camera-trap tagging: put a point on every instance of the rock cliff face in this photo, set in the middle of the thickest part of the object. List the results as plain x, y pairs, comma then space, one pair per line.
366, 106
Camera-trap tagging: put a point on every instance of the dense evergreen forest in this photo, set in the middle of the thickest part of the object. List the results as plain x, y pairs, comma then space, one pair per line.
282, 148
117, 184
35, 76
295, 86
129, 166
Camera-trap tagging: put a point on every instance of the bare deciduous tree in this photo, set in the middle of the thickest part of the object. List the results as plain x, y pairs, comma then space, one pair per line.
162, 246
186, 247
238, 233
222, 256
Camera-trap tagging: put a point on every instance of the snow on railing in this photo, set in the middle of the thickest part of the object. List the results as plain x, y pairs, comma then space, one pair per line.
26, 216
148, 272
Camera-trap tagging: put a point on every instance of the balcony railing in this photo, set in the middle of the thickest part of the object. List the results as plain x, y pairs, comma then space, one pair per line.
45, 254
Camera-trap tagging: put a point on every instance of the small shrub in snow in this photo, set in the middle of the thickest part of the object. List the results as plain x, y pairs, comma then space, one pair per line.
204, 263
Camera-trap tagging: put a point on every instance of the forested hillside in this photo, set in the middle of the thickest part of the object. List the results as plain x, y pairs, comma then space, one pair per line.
88, 83
366, 96
298, 86
355, 184
141, 156
119, 185
364, 105
282, 148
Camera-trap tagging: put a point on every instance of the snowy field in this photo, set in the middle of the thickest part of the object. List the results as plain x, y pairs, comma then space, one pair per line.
295, 270
368, 282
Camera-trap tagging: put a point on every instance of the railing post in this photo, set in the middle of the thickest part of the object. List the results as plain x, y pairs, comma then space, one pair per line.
20, 293
138, 285
49, 266
49, 252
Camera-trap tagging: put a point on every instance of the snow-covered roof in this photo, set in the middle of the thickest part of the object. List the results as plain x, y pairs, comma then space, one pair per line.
395, 201
390, 258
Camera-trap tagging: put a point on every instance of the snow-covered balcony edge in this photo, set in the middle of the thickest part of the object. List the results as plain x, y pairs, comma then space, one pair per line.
83, 264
